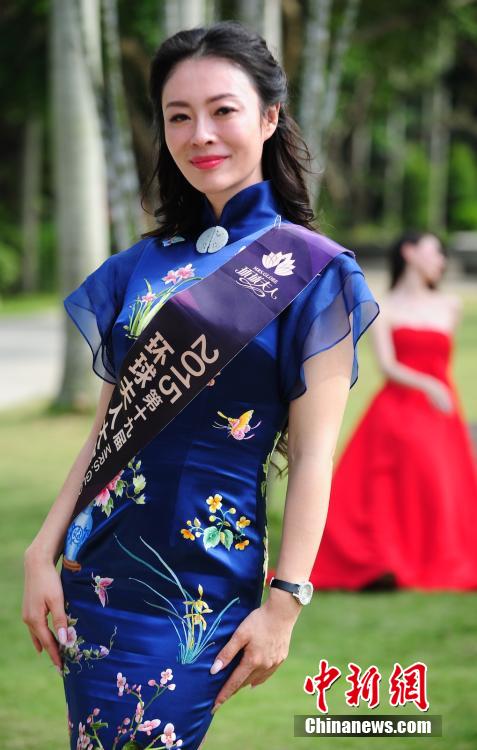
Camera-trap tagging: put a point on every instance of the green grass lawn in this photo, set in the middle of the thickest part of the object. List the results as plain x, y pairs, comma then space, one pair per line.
24, 304
380, 628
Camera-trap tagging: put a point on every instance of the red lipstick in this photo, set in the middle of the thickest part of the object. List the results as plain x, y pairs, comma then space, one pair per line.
207, 162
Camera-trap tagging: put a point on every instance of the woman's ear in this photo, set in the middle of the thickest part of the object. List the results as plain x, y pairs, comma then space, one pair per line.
271, 120
408, 251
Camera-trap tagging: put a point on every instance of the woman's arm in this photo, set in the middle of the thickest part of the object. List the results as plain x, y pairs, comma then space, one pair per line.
314, 423
48, 542
43, 591
381, 339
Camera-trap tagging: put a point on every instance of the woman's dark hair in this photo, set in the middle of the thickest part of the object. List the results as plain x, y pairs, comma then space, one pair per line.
397, 262
285, 157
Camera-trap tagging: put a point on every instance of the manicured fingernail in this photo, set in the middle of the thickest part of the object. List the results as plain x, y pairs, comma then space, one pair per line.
62, 635
216, 666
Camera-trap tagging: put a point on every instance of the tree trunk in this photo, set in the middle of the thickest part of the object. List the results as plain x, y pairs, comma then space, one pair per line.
31, 198
315, 58
321, 81
361, 148
124, 202
395, 163
293, 24
264, 17
183, 14
251, 13
340, 48
79, 174
272, 27
439, 139
439, 128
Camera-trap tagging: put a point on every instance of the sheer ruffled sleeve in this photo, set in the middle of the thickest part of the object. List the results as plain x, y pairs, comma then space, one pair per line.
320, 317
96, 303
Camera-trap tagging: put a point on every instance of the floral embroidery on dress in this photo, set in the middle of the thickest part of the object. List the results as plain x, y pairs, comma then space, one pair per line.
82, 525
222, 531
237, 427
191, 643
136, 723
100, 586
147, 305
118, 487
72, 650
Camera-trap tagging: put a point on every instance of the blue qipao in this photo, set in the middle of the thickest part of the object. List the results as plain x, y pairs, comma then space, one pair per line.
161, 567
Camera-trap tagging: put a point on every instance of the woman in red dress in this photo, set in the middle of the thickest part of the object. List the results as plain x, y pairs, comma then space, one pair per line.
403, 503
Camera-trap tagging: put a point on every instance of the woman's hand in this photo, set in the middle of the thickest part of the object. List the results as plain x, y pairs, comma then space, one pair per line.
439, 395
43, 593
265, 637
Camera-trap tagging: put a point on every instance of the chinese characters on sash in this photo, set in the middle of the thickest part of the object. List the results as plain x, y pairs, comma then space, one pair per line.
151, 382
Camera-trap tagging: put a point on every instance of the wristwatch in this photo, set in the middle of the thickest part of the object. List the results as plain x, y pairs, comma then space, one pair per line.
302, 591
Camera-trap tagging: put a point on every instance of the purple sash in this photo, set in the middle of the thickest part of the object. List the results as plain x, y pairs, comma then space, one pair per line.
194, 336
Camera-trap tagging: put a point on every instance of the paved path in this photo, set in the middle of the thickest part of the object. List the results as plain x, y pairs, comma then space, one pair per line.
31, 349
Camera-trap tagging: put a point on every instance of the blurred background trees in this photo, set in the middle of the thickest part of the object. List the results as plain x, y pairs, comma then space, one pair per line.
385, 95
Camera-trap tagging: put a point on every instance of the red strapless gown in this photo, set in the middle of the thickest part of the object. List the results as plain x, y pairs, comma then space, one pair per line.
404, 491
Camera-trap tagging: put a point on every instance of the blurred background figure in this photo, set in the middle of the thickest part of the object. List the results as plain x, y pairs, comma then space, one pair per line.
403, 506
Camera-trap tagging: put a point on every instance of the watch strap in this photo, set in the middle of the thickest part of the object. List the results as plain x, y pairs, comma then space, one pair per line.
285, 585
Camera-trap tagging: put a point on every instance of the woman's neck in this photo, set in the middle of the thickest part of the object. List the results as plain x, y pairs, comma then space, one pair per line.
412, 283
219, 199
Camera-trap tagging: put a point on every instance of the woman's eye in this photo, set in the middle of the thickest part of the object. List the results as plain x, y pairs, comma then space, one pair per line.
223, 109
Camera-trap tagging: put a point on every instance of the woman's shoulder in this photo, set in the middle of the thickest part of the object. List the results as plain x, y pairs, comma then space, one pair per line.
454, 305
452, 301
397, 307
119, 266
131, 254
342, 258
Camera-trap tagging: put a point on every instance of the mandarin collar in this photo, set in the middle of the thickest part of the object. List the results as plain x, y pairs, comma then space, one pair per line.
252, 208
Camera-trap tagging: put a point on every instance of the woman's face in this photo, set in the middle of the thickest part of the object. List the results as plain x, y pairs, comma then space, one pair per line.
211, 109
427, 257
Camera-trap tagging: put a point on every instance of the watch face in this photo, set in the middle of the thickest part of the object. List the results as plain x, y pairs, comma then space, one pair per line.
305, 593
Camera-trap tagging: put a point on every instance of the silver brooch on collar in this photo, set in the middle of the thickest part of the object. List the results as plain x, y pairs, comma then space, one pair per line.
212, 239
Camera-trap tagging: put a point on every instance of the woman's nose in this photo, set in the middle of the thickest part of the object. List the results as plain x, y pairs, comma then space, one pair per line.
202, 132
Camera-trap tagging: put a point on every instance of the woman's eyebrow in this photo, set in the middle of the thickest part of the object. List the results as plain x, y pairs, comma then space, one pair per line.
178, 103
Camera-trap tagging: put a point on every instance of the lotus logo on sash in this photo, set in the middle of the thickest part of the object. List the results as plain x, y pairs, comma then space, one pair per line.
282, 263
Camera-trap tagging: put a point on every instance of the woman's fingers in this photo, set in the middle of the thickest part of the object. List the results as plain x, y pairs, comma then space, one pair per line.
43, 596
42, 635
56, 606
258, 677
234, 682
50, 645
260, 674
249, 671
35, 641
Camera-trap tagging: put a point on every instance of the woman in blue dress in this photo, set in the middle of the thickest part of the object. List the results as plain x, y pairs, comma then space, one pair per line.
157, 613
